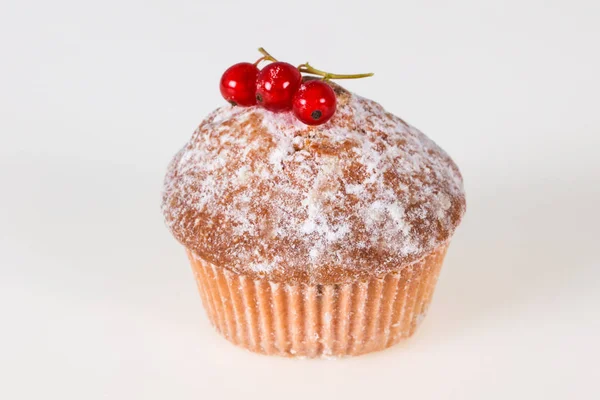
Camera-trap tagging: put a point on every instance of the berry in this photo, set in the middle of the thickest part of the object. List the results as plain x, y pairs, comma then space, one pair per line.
238, 84
276, 85
314, 102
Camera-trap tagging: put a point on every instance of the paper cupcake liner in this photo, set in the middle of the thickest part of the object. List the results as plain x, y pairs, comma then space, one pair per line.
317, 320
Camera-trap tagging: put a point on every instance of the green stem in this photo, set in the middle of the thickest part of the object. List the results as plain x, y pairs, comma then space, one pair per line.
309, 69
266, 55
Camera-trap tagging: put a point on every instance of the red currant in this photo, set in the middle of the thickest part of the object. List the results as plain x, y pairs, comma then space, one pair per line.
314, 102
238, 84
276, 84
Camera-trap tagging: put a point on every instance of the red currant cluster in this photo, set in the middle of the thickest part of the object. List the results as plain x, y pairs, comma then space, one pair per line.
278, 87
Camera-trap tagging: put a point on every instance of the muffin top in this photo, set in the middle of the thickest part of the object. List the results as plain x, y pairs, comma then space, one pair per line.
261, 193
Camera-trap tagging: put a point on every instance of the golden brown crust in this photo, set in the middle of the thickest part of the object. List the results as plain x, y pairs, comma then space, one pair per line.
360, 196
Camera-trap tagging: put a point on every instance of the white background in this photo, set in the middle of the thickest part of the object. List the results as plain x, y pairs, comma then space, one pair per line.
96, 297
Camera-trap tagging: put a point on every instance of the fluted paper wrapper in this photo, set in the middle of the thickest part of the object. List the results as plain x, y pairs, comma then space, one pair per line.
317, 320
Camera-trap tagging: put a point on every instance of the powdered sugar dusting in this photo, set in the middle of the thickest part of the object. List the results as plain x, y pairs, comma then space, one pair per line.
261, 192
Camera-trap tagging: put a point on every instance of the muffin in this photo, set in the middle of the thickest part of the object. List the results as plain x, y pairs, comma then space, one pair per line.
313, 240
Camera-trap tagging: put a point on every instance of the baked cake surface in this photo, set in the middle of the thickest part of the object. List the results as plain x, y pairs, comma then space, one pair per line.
262, 194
